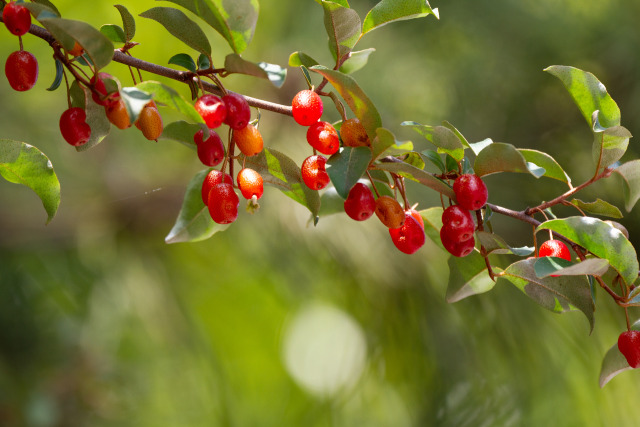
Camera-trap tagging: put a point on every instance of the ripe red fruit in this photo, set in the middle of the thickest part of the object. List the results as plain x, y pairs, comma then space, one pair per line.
471, 193
212, 110
554, 248
238, 111
457, 224
410, 236
211, 150
360, 204
213, 177
323, 137
17, 18
21, 70
73, 126
314, 173
459, 249
223, 203
250, 183
629, 346
306, 107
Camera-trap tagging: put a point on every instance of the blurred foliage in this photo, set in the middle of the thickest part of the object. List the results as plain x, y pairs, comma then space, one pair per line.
102, 324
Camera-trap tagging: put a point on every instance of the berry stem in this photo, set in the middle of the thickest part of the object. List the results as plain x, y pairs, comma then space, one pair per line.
373, 185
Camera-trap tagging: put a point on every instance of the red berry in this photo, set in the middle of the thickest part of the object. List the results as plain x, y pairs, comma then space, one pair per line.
554, 248
17, 18
629, 346
323, 137
238, 111
459, 249
21, 70
314, 173
210, 151
410, 236
99, 95
416, 215
74, 127
457, 224
223, 203
471, 193
250, 183
306, 107
212, 110
360, 204
214, 177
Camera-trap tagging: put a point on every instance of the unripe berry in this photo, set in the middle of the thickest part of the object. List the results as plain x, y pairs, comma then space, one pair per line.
213, 177
471, 193
21, 70
314, 173
306, 107
150, 122
360, 203
554, 248
212, 110
353, 134
248, 140
17, 18
409, 237
323, 137
459, 249
223, 203
211, 150
238, 111
250, 183
389, 212
117, 114
457, 224
76, 50
629, 346
73, 126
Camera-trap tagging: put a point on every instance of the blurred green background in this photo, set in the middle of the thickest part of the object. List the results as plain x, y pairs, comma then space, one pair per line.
278, 323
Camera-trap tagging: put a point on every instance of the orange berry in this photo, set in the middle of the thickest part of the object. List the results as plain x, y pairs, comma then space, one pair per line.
117, 114
250, 183
353, 134
389, 212
248, 140
77, 50
150, 123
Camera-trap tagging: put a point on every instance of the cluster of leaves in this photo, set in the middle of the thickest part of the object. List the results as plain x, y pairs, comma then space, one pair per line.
606, 258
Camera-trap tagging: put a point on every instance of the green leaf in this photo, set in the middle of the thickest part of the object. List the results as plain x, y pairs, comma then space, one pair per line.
203, 62
588, 93
128, 22
96, 118
548, 265
396, 10
468, 276
182, 132
113, 33
194, 222
297, 59
181, 27
558, 294
443, 138
613, 363
346, 167
415, 174
601, 239
630, 173
434, 158
501, 157
331, 202
477, 147
432, 218
234, 63
58, 79
453, 129
495, 244
343, 28
170, 98
610, 145
356, 61
355, 98
185, 61
135, 100
281, 172
48, 4
548, 163
599, 207
234, 20
382, 142
22, 163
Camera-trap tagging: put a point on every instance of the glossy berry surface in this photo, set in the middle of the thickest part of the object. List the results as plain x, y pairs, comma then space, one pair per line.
73, 126
323, 137
314, 172
353, 134
213, 177
212, 110
248, 140
629, 346
471, 193
117, 114
389, 212
306, 107
21, 70
555, 248
238, 111
223, 203
459, 249
457, 224
211, 150
360, 204
150, 122
17, 18
250, 183
409, 237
